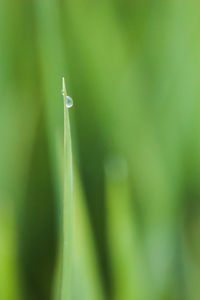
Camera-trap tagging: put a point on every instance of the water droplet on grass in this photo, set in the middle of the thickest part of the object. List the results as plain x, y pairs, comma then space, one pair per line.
69, 102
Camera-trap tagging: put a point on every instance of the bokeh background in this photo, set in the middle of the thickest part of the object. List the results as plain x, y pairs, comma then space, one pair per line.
133, 69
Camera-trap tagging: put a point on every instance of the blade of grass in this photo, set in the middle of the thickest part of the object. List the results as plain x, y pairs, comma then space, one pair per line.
87, 281
67, 205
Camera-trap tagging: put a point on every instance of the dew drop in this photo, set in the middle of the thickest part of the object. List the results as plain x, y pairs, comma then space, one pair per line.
69, 102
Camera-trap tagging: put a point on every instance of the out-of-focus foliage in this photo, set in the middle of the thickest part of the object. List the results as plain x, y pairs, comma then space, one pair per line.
133, 69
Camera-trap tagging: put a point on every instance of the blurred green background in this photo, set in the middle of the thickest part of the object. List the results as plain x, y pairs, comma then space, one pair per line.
133, 69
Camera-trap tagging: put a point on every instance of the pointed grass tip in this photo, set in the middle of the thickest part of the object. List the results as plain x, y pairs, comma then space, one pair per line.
63, 86
67, 99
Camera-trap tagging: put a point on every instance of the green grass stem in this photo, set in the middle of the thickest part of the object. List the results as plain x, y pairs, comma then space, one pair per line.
67, 205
